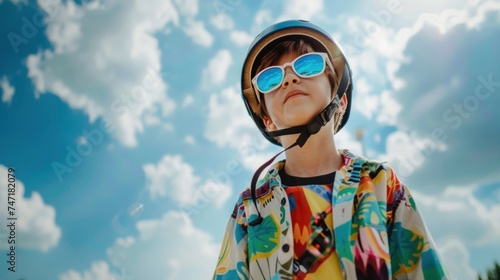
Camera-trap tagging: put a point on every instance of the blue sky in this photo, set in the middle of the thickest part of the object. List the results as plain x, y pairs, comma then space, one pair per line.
130, 143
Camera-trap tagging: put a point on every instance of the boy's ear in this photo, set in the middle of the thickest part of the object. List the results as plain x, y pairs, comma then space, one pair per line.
342, 103
270, 126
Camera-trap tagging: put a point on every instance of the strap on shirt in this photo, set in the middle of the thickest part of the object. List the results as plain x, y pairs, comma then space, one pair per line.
319, 245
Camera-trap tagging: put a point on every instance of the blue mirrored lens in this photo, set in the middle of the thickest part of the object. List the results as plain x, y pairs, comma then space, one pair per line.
309, 65
269, 79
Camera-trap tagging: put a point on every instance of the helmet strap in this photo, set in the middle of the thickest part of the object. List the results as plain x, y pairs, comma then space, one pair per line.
305, 131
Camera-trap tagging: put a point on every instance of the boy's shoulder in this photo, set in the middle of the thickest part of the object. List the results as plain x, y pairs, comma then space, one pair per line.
350, 158
261, 191
265, 184
353, 161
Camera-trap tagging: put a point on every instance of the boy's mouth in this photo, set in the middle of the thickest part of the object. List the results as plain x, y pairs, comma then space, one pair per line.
293, 93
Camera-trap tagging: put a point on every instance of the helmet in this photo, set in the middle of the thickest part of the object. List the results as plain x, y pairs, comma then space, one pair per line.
319, 39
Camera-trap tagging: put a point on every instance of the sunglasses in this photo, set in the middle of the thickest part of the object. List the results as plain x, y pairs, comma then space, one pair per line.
305, 66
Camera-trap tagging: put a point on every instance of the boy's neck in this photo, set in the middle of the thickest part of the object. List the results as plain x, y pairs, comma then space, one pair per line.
318, 156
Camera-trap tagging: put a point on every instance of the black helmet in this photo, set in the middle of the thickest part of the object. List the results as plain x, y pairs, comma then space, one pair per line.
319, 39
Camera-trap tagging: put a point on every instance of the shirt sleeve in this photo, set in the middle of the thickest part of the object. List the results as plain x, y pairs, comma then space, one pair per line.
233, 261
412, 250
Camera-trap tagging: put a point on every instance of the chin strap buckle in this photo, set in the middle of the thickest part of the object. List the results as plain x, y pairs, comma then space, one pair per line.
322, 118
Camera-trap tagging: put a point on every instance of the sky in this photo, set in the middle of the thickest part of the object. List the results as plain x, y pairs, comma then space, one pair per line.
123, 128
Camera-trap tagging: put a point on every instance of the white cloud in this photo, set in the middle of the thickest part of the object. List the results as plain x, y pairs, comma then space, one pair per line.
98, 270
241, 38
228, 122
218, 192
36, 227
171, 177
389, 109
467, 218
17, 2
229, 125
188, 100
455, 101
187, 8
252, 150
196, 30
189, 139
397, 96
301, 9
346, 140
472, 16
64, 30
459, 223
168, 127
369, 45
222, 21
216, 71
7, 89
172, 241
368, 52
174, 178
82, 140
151, 119
407, 153
412, 11
456, 258
263, 17
106, 60
364, 101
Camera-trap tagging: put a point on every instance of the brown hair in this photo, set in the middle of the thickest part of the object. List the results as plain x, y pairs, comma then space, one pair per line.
296, 46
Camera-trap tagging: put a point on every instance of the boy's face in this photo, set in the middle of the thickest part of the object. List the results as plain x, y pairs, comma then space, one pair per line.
297, 100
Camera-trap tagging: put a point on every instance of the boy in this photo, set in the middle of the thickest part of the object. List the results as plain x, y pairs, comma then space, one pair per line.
322, 213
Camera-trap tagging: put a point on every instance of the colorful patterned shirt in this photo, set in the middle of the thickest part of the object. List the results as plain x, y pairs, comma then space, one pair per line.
308, 198
379, 232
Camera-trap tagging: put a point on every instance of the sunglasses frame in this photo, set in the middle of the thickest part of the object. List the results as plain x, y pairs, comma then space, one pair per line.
326, 62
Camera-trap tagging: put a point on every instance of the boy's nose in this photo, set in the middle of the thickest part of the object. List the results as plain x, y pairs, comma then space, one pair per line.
290, 78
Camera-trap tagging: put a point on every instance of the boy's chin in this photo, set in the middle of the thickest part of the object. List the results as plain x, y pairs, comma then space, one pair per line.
301, 118
304, 110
